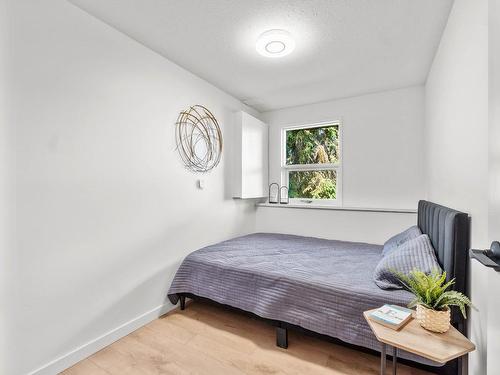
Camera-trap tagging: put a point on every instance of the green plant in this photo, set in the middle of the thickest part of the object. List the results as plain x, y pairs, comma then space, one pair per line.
430, 290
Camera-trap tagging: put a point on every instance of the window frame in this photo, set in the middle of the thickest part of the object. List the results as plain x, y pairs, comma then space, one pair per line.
337, 167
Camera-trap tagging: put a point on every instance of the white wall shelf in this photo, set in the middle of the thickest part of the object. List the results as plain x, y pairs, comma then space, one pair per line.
250, 157
336, 208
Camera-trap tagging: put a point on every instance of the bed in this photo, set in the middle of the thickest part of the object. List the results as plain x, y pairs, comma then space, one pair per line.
320, 285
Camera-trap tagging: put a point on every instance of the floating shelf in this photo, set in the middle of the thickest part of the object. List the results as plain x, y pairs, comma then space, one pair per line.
338, 208
489, 258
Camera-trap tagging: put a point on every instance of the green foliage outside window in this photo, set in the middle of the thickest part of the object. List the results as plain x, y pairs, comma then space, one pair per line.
313, 146
312, 184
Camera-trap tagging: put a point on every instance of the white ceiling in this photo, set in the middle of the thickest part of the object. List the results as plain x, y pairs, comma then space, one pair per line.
343, 47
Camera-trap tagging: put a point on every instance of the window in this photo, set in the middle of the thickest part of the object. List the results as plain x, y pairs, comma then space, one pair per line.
311, 165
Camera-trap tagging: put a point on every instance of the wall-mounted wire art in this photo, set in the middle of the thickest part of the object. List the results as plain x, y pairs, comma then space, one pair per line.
199, 139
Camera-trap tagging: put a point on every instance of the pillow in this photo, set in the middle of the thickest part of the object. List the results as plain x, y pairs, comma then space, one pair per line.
394, 242
416, 253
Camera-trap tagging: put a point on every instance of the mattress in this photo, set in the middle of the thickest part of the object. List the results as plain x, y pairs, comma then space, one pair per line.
320, 285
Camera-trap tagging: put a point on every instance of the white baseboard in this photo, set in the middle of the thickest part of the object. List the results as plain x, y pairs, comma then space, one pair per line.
69, 359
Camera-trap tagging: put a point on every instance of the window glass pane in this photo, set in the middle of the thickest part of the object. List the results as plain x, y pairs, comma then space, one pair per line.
313, 145
319, 184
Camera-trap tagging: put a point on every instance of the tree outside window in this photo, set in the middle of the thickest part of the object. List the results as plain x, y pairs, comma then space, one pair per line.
312, 161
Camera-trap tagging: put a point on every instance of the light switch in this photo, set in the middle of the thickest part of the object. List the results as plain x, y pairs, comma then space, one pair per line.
201, 184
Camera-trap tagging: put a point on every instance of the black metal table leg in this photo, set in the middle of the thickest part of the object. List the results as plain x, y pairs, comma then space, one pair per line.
394, 360
383, 358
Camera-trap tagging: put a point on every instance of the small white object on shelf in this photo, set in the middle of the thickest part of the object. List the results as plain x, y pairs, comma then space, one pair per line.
274, 193
284, 195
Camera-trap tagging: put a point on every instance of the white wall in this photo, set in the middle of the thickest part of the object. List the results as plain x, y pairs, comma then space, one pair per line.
372, 227
106, 211
494, 173
456, 140
382, 165
4, 178
376, 128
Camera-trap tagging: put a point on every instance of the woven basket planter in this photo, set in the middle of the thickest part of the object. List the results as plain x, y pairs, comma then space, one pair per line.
432, 320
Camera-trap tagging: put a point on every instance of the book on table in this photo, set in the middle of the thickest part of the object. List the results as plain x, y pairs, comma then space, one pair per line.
391, 316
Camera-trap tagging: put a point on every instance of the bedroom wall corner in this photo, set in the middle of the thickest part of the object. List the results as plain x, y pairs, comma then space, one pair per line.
105, 209
456, 142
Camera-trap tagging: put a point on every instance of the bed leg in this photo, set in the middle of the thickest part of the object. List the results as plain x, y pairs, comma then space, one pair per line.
182, 300
282, 337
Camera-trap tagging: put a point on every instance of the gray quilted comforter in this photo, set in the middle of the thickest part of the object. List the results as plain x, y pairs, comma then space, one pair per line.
321, 285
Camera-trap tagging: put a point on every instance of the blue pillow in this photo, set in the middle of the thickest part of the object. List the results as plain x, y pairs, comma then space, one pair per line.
394, 242
416, 253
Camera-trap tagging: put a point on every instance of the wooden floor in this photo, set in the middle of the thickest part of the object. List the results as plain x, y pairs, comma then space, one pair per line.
207, 339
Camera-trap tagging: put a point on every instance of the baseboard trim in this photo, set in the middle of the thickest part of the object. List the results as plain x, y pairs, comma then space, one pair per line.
69, 359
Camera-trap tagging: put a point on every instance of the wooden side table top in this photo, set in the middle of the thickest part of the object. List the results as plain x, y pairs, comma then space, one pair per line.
438, 347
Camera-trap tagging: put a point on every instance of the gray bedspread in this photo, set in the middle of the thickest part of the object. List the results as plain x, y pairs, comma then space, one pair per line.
321, 285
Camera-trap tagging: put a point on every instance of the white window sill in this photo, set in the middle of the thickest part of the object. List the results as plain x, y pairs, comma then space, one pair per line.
309, 206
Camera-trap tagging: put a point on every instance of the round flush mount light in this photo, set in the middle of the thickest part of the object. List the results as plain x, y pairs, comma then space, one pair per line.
275, 43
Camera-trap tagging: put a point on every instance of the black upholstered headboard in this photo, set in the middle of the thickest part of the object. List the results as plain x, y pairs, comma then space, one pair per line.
448, 230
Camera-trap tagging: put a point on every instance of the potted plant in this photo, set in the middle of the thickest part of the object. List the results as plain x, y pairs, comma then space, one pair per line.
432, 299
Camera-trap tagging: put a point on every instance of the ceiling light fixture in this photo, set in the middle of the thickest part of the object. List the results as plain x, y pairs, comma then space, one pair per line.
275, 43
